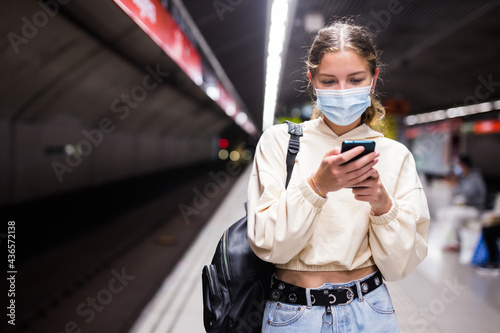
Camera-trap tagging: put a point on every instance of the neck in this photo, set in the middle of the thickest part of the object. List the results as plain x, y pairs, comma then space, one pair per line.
341, 130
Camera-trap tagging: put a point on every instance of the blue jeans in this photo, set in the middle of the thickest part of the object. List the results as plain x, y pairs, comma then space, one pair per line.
374, 313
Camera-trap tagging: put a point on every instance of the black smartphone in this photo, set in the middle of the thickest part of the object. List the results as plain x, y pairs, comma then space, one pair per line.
349, 144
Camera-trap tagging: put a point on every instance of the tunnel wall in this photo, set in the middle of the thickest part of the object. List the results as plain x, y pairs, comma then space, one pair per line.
36, 164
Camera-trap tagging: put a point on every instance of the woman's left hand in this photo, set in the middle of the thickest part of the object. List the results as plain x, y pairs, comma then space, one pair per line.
373, 191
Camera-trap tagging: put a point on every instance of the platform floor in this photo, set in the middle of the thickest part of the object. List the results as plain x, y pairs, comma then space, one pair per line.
90, 260
443, 294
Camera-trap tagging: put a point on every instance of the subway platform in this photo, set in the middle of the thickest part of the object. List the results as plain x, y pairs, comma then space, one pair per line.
443, 294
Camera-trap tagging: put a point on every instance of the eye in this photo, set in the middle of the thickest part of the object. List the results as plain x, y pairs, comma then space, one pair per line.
356, 81
328, 82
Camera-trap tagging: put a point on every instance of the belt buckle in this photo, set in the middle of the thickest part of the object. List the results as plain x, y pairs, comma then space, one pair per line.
349, 294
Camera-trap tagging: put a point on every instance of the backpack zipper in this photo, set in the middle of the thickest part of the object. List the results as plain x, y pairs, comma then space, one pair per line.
224, 253
210, 279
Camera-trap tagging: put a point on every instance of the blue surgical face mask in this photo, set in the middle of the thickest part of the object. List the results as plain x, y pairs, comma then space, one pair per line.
457, 170
343, 107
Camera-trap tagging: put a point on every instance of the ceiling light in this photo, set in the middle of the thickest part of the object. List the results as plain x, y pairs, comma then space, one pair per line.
313, 22
483, 107
276, 41
230, 109
460, 111
411, 120
213, 92
241, 118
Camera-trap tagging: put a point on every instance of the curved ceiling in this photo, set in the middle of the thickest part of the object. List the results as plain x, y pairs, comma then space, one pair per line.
438, 54
90, 61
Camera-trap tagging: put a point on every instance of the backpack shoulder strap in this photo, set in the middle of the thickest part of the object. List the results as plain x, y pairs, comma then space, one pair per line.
295, 131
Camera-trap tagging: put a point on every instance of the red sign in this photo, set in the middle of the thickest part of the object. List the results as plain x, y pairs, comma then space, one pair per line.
487, 126
413, 132
157, 22
397, 106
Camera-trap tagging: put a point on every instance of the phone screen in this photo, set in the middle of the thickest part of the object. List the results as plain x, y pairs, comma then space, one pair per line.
349, 144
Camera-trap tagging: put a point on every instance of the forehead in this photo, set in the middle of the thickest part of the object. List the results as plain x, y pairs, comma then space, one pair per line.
342, 63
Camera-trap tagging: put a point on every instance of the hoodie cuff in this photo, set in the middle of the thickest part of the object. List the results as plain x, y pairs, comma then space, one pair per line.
387, 217
310, 195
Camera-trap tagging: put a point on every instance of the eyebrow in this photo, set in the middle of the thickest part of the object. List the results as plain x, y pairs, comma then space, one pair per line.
355, 73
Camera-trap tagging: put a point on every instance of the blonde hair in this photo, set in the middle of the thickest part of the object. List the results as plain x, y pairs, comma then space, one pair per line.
338, 36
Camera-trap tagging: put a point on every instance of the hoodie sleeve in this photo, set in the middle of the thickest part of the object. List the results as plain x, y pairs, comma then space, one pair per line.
398, 239
280, 221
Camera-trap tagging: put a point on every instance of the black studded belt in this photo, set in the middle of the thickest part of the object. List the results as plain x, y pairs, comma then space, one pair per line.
284, 292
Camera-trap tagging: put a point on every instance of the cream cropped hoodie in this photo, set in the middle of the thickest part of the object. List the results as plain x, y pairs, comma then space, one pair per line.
297, 229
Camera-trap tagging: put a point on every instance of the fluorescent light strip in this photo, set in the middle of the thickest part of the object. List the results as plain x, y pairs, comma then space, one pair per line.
460, 111
277, 36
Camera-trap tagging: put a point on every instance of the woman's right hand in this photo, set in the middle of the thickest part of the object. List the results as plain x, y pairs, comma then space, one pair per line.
333, 175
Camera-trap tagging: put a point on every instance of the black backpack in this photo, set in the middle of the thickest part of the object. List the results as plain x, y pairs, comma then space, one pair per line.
236, 283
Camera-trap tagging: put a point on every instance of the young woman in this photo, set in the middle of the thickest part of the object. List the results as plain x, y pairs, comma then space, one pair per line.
339, 228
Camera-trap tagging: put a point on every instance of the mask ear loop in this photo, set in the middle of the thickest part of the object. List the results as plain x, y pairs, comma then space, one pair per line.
372, 90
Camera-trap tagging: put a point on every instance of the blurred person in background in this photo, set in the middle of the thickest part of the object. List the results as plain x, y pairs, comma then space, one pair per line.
468, 201
491, 235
